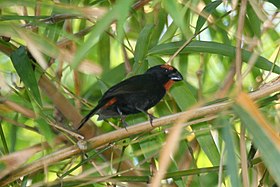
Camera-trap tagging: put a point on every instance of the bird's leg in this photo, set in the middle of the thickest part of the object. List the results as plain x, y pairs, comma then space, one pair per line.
151, 117
122, 118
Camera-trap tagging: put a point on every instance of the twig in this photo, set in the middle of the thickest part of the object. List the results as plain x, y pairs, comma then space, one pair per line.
275, 60
190, 39
238, 59
76, 135
244, 161
132, 130
13, 122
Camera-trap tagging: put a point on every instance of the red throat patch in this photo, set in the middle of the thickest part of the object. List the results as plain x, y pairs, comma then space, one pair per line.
168, 85
109, 103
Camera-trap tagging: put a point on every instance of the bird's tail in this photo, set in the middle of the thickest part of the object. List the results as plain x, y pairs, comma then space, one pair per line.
87, 117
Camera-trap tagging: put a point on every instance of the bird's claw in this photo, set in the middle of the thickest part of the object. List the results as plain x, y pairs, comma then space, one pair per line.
124, 122
151, 118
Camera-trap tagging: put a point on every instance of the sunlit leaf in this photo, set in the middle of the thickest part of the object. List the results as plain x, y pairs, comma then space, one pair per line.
207, 10
231, 156
176, 12
24, 68
212, 47
142, 44
97, 30
207, 143
169, 34
264, 137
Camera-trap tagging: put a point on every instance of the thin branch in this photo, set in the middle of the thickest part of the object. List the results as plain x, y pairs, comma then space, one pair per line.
139, 4
238, 60
274, 62
17, 108
15, 123
243, 156
113, 136
190, 39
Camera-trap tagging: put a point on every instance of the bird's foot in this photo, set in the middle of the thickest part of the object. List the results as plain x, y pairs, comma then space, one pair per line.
124, 122
151, 118
122, 118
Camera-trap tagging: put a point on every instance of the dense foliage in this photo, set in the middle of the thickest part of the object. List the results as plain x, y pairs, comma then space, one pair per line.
218, 127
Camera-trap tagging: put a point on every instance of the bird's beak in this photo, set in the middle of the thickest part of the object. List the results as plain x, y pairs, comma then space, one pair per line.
176, 76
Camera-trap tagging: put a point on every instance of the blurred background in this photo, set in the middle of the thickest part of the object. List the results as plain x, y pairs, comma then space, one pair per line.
57, 58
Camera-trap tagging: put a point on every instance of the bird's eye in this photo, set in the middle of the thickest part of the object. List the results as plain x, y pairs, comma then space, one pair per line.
165, 70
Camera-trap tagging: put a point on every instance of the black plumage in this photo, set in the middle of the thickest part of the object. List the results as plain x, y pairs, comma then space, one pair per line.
135, 94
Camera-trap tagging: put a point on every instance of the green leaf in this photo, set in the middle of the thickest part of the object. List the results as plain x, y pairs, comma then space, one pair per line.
176, 12
183, 95
269, 150
23, 66
45, 129
169, 33
125, 7
3, 140
42, 43
207, 10
275, 3
147, 146
160, 20
155, 60
104, 51
98, 29
141, 49
231, 157
142, 45
207, 143
253, 21
185, 99
102, 85
212, 47
175, 163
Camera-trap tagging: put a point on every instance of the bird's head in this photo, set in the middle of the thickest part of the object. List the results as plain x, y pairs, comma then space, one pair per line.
165, 73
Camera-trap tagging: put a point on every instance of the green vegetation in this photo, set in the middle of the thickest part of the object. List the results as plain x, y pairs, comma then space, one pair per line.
57, 58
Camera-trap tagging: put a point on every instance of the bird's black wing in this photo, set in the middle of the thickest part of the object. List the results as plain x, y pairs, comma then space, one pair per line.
136, 84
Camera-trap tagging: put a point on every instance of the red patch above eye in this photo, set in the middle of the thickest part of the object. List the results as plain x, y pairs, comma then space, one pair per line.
166, 66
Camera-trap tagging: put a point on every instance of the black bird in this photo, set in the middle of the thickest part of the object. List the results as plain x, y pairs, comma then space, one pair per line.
135, 94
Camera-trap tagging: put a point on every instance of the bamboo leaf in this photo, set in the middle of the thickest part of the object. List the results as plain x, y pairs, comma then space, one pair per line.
23, 66
45, 129
275, 3
207, 143
207, 10
98, 29
183, 96
160, 20
122, 18
253, 21
214, 48
185, 99
142, 44
264, 137
176, 12
169, 33
231, 157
